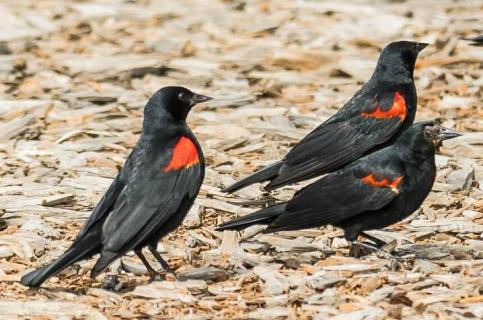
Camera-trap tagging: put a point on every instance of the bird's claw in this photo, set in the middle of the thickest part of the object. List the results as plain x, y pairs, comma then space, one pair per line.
359, 249
166, 267
384, 252
155, 276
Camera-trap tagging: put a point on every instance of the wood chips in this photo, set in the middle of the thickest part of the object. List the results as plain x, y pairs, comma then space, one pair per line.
74, 77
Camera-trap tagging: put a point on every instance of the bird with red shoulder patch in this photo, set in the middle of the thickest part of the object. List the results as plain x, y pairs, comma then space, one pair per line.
373, 192
150, 196
374, 117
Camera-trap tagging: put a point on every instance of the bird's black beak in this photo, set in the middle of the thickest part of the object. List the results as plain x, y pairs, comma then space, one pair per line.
420, 46
198, 98
445, 134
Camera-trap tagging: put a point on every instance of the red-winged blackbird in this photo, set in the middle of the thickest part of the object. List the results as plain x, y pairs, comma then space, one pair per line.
150, 196
373, 192
376, 115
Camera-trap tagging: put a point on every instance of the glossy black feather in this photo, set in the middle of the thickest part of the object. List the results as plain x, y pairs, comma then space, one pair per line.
145, 201
349, 134
375, 191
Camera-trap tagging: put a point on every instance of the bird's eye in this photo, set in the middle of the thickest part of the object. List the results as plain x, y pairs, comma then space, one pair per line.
181, 96
428, 133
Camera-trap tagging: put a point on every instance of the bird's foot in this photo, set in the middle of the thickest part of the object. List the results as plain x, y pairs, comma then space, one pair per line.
160, 259
385, 251
379, 243
168, 269
160, 276
156, 276
359, 249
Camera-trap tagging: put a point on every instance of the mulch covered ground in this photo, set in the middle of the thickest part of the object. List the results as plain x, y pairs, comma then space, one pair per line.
74, 77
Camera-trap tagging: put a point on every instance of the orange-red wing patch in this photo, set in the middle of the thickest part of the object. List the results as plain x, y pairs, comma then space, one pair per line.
374, 182
184, 155
398, 109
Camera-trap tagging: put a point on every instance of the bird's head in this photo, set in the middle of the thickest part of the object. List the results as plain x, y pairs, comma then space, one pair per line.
426, 135
177, 101
400, 56
436, 133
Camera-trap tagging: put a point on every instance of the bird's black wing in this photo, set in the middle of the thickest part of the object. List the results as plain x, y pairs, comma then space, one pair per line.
365, 122
363, 186
109, 198
150, 198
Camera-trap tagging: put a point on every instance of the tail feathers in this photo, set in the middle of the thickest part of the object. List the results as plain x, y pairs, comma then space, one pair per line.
264, 174
104, 260
80, 251
264, 216
284, 179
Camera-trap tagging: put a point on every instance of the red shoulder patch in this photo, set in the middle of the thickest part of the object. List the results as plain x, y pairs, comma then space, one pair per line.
184, 155
374, 182
398, 109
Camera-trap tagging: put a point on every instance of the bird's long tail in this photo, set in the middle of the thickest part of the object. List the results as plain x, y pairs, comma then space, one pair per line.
81, 249
264, 216
264, 174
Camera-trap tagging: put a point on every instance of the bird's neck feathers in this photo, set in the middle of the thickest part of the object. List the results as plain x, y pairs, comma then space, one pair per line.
419, 148
157, 120
391, 68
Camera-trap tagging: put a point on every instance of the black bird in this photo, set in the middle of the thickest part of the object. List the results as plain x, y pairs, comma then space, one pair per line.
376, 115
373, 192
150, 196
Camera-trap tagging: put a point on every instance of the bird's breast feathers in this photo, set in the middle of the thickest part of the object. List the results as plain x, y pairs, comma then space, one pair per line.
184, 155
397, 109
375, 180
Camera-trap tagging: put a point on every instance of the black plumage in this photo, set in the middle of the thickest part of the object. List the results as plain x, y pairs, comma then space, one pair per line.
150, 196
374, 192
376, 115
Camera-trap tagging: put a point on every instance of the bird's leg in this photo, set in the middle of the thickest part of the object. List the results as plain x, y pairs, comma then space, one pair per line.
160, 259
384, 247
357, 248
152, 273
379, 243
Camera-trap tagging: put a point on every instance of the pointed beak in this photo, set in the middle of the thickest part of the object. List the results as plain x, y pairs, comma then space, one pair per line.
420, 46
198, 98
445, 134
